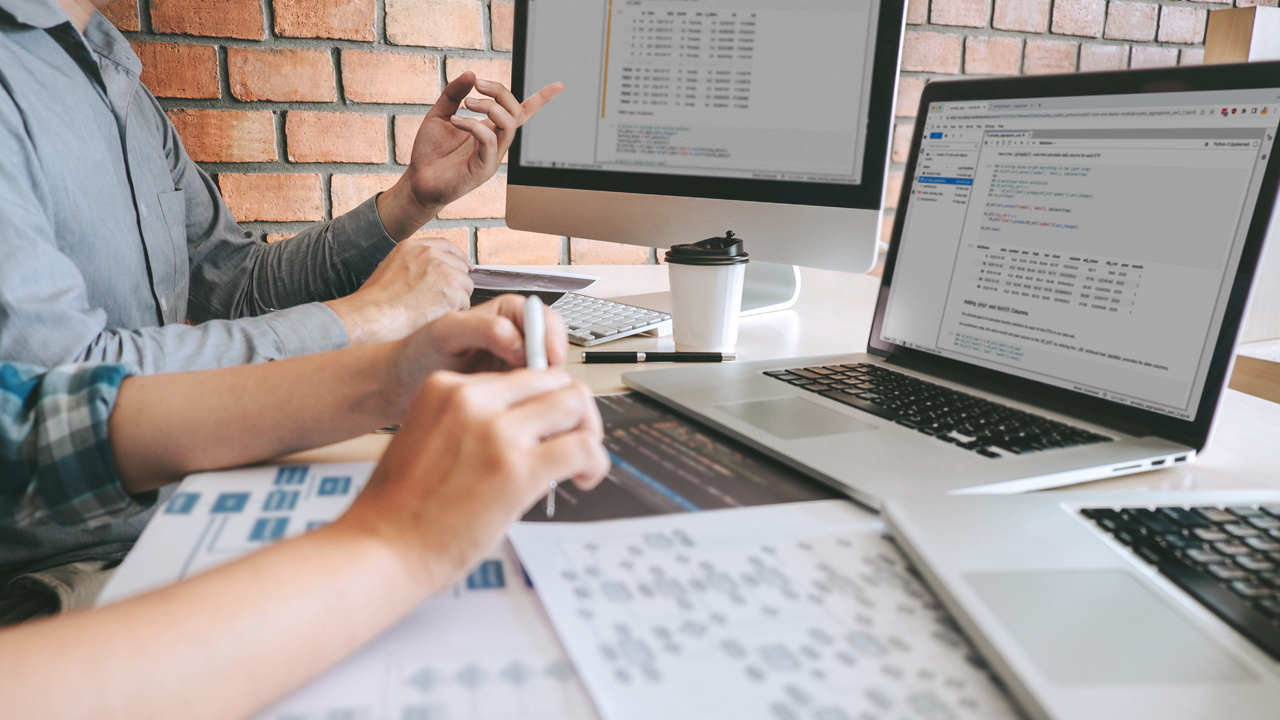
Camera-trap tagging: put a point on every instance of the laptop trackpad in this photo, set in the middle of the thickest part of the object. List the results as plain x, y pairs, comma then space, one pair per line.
1103, 626
793, 418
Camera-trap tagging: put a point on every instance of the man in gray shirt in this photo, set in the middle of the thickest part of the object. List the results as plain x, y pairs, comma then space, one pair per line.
111, 238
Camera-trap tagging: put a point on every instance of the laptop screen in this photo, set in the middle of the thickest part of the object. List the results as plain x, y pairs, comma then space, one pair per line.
1086, 242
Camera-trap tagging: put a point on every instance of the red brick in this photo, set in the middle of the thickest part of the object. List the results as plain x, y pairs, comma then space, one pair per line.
390, 77
1079, 17
597, 252
484, 68
487, 201
338, 19
1131, 21
179, 71
502, 24
123, 14
1257, 3
503, 246
901, 141
335, 137
346, 192
273, 198
281, 75
1049, 56
992, 55
460, 237
436, 23
917, 14
892, 190
1147, 56
1030, 16
968, 13
1191, 57
406, 129
909, 89
211, 18
1094, 58
1182, 25
931, 52
226, 135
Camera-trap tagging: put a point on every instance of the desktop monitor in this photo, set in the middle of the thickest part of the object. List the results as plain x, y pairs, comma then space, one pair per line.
682, 119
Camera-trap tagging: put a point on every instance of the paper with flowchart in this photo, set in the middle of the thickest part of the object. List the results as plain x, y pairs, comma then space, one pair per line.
483, 650
804, 610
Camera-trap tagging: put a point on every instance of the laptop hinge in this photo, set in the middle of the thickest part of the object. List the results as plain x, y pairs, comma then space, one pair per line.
998, 384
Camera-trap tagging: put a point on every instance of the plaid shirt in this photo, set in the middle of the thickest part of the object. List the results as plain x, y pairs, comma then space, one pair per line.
55, 459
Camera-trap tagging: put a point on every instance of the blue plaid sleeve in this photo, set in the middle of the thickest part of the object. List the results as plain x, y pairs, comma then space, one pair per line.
55, 458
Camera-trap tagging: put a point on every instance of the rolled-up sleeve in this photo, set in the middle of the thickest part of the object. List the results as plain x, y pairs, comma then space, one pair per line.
55, 452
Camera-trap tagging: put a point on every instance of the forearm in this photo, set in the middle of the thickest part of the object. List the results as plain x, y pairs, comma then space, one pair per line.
166, 426
222, 644
401, 214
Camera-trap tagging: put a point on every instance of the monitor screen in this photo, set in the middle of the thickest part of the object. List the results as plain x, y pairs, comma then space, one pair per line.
1085, 242
706, 98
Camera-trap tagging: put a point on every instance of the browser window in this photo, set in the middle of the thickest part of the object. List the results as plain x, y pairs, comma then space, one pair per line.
1085, 242
702, 87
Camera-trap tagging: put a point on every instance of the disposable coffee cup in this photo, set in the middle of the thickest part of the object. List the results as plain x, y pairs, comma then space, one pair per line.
706, 293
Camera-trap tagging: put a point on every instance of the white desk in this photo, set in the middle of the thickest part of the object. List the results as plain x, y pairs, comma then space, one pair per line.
833, 315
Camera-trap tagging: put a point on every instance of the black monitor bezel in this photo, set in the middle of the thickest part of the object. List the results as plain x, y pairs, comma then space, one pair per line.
865, 195
1207, 78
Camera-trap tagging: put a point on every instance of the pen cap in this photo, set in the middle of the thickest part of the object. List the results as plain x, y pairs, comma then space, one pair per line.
725, 250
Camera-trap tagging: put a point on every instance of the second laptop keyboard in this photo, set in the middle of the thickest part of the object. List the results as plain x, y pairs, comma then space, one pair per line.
970, 422
1226, 558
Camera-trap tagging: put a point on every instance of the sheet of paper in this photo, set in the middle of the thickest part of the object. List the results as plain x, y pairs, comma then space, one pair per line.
804, 610
216, 517
483, 650
489, 278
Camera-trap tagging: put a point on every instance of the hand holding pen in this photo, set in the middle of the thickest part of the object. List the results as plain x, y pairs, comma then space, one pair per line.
535, 358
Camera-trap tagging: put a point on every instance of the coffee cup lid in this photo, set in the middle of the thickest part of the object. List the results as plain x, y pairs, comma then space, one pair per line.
725, 250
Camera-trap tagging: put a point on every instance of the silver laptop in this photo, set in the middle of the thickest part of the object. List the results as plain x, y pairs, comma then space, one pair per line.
1111, 605
1060, 302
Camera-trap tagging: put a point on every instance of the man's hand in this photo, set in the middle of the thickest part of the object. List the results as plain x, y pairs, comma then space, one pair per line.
453, 155
419, 281
473, 454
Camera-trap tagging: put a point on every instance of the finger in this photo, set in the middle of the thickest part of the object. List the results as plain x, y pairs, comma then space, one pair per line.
539, 99
508, 389
557, 339
447, 246
511, 306
484, 135
449, 101
550, 415
500, 117
503, 97
457, 262
578, 455
496, 335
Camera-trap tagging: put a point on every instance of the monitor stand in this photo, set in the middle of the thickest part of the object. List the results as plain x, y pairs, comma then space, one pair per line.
766, 287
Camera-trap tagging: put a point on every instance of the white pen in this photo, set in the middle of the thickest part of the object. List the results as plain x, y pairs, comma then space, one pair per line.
535, 358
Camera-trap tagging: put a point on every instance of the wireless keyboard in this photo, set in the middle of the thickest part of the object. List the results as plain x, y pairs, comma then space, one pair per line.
592, 321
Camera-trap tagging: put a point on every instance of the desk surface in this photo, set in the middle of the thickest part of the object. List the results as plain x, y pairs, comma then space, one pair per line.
833, 315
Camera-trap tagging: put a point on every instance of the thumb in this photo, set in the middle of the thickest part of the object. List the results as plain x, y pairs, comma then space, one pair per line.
494, 334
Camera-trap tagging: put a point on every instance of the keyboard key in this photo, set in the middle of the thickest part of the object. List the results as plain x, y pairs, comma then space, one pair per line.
1264, 544
1214, 515
1183, 516
1226, 572
1245, 512
1241, 530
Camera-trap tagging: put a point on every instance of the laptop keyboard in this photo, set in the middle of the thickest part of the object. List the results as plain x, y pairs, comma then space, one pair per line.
967, 421
1226, 558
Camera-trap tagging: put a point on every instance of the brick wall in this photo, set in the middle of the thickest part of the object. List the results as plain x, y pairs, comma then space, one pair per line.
302, 109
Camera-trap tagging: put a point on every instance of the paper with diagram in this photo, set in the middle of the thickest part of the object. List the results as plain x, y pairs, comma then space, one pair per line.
482, 650
804, 610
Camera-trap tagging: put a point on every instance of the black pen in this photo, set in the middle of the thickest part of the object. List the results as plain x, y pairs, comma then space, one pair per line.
639, 357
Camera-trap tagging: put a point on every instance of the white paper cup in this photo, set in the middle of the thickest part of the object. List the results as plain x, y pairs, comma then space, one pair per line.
705, 302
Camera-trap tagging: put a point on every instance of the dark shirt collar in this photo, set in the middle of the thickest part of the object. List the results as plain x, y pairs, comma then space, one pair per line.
42, 14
